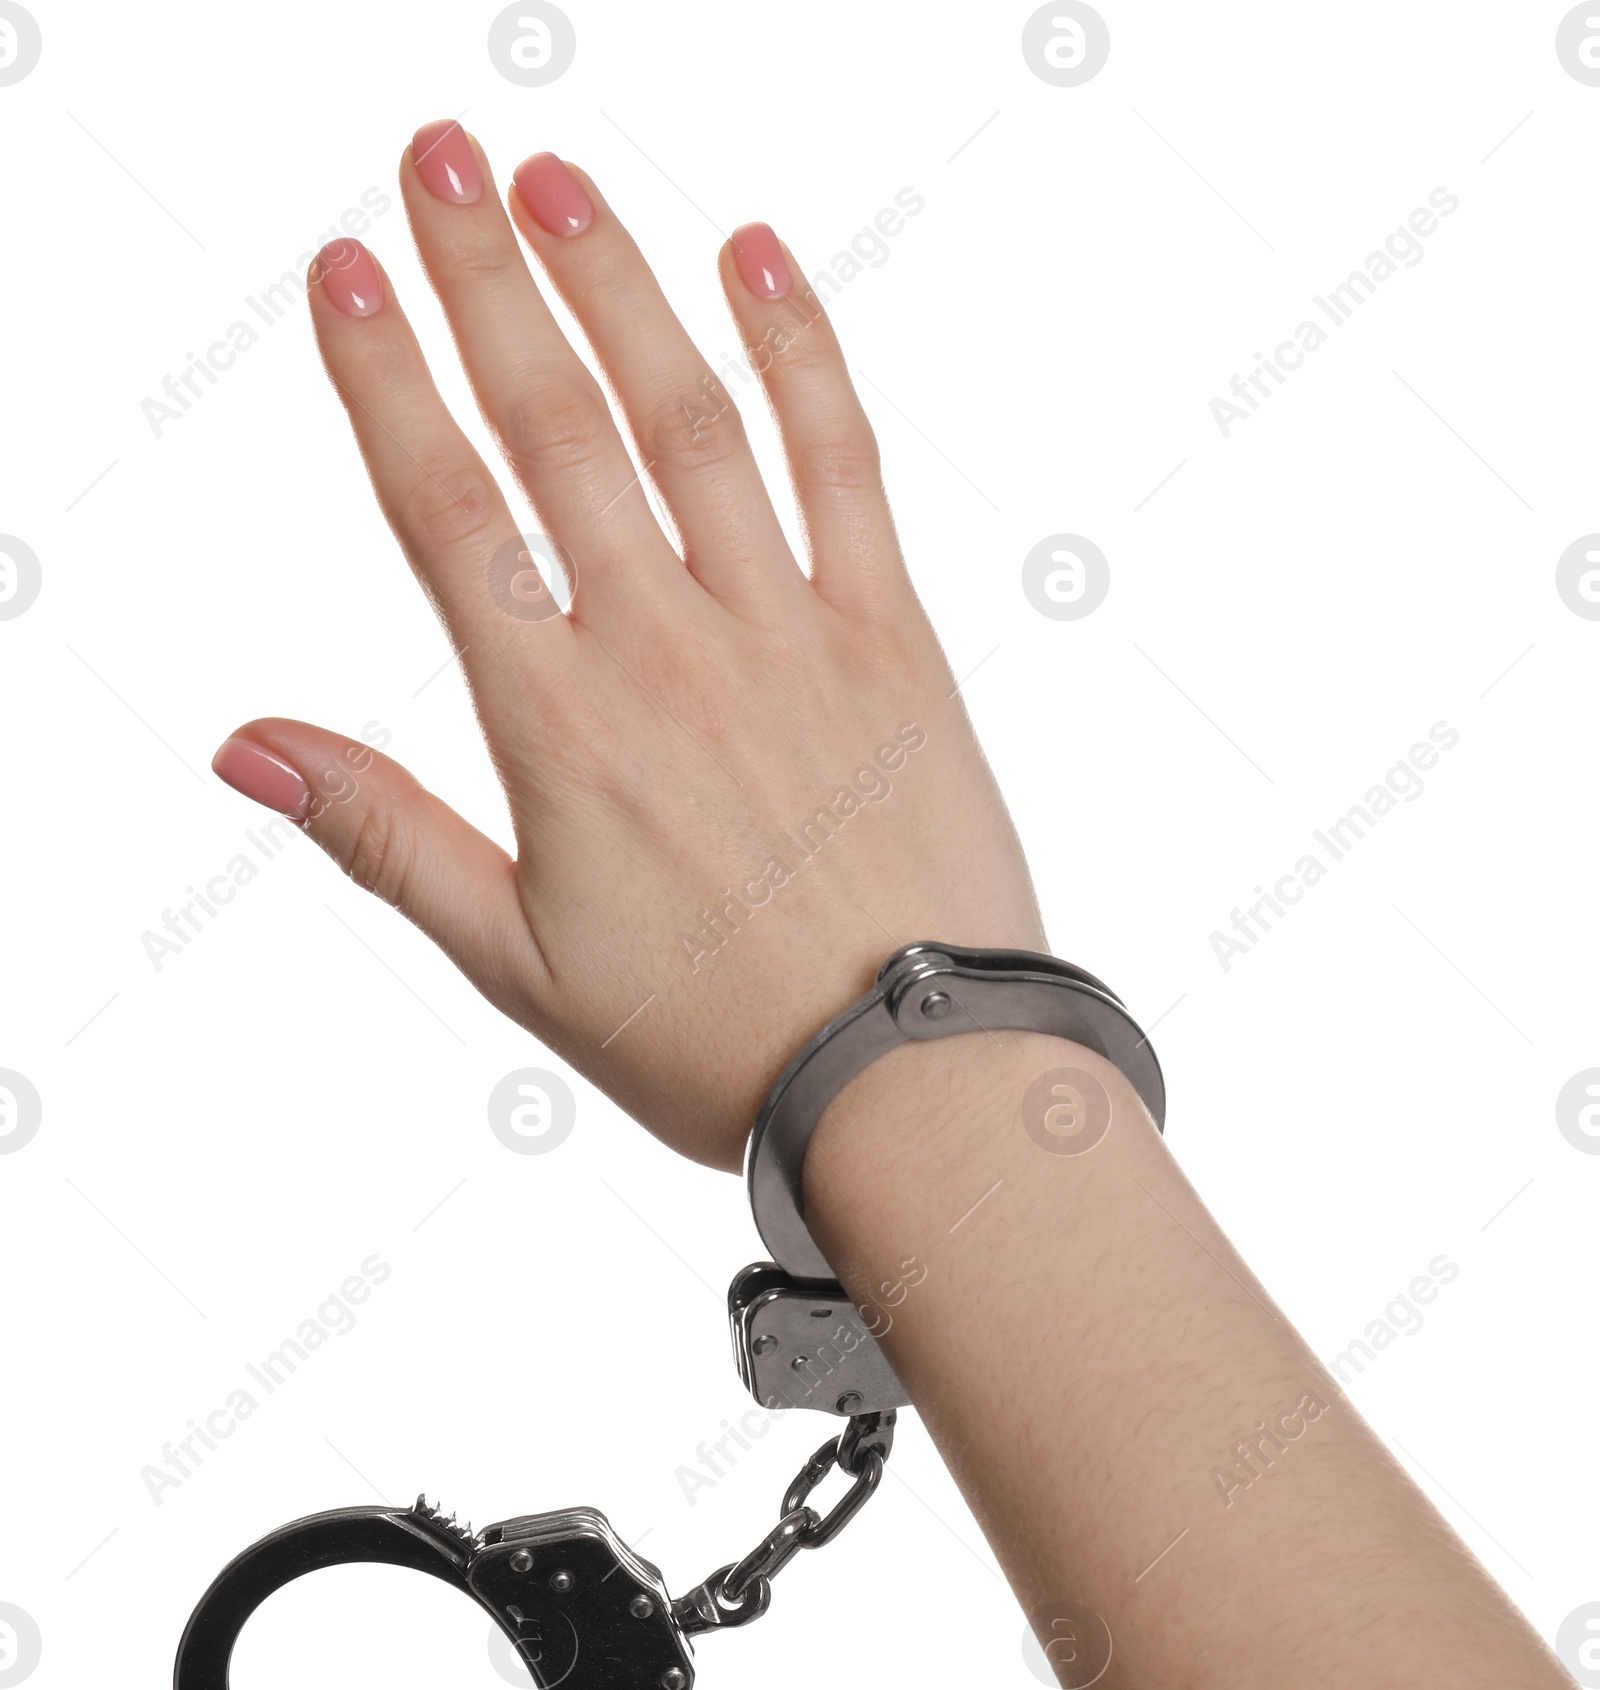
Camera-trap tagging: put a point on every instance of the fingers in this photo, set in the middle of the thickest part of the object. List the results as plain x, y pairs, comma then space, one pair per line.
832, 452
547, 411
439, 498
552, 419
394, 838
686, 428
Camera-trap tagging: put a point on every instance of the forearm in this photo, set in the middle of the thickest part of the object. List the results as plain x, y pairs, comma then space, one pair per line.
1135, 1424
710, 735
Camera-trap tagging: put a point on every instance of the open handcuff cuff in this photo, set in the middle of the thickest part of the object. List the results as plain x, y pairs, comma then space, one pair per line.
547, 1579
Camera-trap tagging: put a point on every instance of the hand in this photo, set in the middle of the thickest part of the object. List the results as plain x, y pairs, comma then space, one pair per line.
733, 789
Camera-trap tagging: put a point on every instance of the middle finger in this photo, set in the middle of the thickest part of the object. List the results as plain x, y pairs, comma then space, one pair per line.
689, 434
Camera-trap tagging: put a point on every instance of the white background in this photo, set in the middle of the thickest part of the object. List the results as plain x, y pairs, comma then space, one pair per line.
225, 1140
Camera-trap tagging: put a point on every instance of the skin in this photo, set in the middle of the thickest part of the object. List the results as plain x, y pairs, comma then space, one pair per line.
1085, 1346
1089, 1352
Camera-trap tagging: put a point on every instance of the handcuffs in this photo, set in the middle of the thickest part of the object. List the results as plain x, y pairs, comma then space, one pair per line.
549, 1580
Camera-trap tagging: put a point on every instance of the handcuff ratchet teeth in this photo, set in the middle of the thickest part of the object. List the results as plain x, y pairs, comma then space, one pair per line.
570, 1595
550, 1581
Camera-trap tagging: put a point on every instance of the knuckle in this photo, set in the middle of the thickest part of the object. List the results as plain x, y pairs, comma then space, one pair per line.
614, 277
802, 351
839, 462
484, 255
447, 505
689, 433
801, 348
373, 369
556, 428
376, 856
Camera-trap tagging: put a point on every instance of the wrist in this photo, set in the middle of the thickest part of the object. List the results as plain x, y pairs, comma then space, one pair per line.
911, 1151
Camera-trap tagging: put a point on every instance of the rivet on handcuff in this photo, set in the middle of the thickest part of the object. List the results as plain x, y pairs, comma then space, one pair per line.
547, 1579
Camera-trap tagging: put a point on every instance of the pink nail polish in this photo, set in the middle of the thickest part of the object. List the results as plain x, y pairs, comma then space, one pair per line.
349, 277
444, 159
262, 777
553, 196
761, 261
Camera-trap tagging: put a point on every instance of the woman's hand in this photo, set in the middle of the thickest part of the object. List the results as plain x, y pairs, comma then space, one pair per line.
734, 789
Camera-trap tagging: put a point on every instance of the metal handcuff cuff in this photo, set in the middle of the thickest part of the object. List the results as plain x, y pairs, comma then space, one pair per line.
547, 1579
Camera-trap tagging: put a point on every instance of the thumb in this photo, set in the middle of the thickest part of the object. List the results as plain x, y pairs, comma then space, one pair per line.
392, 837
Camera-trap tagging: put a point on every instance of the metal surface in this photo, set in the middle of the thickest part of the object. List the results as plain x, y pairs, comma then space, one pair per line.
774, 1552
549, 1581
865, 1481
740, 1592
865, 1434
802, 1345
578, 1605
575, 1613
709, 1608
925, 991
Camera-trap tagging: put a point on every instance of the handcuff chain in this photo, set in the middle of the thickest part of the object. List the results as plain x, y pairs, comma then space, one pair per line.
741, 1591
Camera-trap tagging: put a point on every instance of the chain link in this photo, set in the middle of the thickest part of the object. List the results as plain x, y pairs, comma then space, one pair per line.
741, 1591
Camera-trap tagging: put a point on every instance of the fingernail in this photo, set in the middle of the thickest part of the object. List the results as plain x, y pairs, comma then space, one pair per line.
349, 277
444, 159
761, 262
262, 777
553, 195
